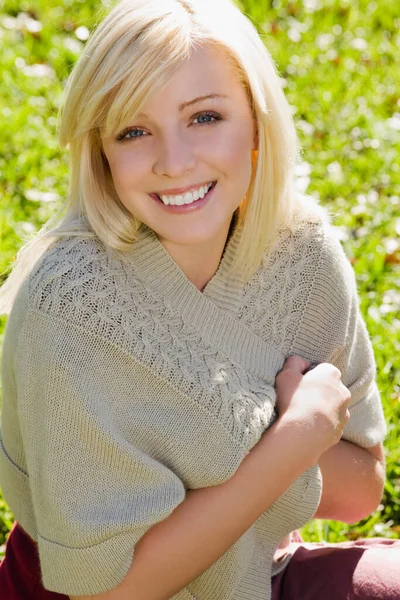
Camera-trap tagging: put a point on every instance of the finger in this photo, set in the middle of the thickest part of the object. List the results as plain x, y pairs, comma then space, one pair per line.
346, 394
330, 369
296, 363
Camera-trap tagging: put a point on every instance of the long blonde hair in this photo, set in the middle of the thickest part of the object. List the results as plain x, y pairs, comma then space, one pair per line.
134, 51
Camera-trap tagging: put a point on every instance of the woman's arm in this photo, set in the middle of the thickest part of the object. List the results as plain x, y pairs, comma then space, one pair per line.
353, 480
209, 521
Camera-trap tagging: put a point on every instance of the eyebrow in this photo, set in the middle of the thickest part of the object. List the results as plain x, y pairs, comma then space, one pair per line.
190, 102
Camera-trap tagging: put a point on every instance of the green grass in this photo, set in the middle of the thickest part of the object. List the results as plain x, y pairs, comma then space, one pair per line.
337, 63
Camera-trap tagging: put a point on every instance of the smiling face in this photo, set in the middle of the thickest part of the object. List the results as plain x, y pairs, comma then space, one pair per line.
177, 147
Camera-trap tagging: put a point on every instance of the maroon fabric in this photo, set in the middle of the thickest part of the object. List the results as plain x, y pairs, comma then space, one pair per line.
362, 570
20, 577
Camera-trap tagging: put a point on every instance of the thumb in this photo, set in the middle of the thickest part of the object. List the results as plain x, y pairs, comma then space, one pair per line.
296, 363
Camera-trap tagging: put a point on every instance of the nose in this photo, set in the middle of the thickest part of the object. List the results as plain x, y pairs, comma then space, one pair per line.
175, 157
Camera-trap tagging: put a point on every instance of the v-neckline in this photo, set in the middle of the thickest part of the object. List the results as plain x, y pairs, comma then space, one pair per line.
225, 262
213, 311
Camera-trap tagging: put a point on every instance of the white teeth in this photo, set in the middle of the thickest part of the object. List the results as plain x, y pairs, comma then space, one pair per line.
188, 197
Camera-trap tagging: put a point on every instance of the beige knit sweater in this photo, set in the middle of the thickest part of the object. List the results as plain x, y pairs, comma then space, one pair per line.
124, 386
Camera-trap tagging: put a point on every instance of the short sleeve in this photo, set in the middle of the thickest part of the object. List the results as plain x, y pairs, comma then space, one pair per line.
332, 330
95, 486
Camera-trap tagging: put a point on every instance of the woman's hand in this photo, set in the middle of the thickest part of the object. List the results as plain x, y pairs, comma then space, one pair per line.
314, 401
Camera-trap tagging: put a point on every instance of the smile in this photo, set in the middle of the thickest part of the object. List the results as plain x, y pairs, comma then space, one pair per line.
188, 197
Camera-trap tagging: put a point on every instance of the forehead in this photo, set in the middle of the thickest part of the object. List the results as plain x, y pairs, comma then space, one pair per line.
207, 71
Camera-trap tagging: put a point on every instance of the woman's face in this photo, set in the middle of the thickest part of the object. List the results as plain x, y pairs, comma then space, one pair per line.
182, 143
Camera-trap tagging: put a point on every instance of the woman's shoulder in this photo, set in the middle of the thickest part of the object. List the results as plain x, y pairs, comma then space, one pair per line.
70, 262
75, 274
307, 239
311, 257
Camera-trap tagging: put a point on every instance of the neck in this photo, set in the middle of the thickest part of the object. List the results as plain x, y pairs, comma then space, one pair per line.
198, 262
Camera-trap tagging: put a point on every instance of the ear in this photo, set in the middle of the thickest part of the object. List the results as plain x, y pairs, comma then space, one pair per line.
254, 156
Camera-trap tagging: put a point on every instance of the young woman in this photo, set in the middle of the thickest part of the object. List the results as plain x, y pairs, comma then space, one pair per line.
187, 378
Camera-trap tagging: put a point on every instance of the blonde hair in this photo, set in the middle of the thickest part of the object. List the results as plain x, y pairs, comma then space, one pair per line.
134, 51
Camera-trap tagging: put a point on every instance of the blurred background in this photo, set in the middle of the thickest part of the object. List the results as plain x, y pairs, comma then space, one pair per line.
339, 66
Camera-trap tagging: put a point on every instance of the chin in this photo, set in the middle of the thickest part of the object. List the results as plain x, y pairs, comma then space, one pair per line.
201, 231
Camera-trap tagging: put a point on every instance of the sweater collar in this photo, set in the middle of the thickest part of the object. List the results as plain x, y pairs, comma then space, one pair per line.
161, 269
213, 311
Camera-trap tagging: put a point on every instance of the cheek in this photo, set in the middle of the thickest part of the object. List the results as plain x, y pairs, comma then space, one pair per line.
233, 155
125, 167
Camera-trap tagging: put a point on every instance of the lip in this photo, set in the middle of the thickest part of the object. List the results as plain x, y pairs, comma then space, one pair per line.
176, 191
186, 208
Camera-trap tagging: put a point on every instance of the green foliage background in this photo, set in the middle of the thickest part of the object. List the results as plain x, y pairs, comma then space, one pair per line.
337, 61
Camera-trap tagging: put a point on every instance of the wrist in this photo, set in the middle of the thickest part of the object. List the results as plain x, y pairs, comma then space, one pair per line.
299, 435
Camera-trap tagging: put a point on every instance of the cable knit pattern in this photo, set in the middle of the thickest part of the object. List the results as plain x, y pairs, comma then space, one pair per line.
283, 282
124, 386
82, 290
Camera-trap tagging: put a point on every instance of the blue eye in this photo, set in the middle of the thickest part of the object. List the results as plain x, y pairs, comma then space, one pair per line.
208, 115
124, 135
